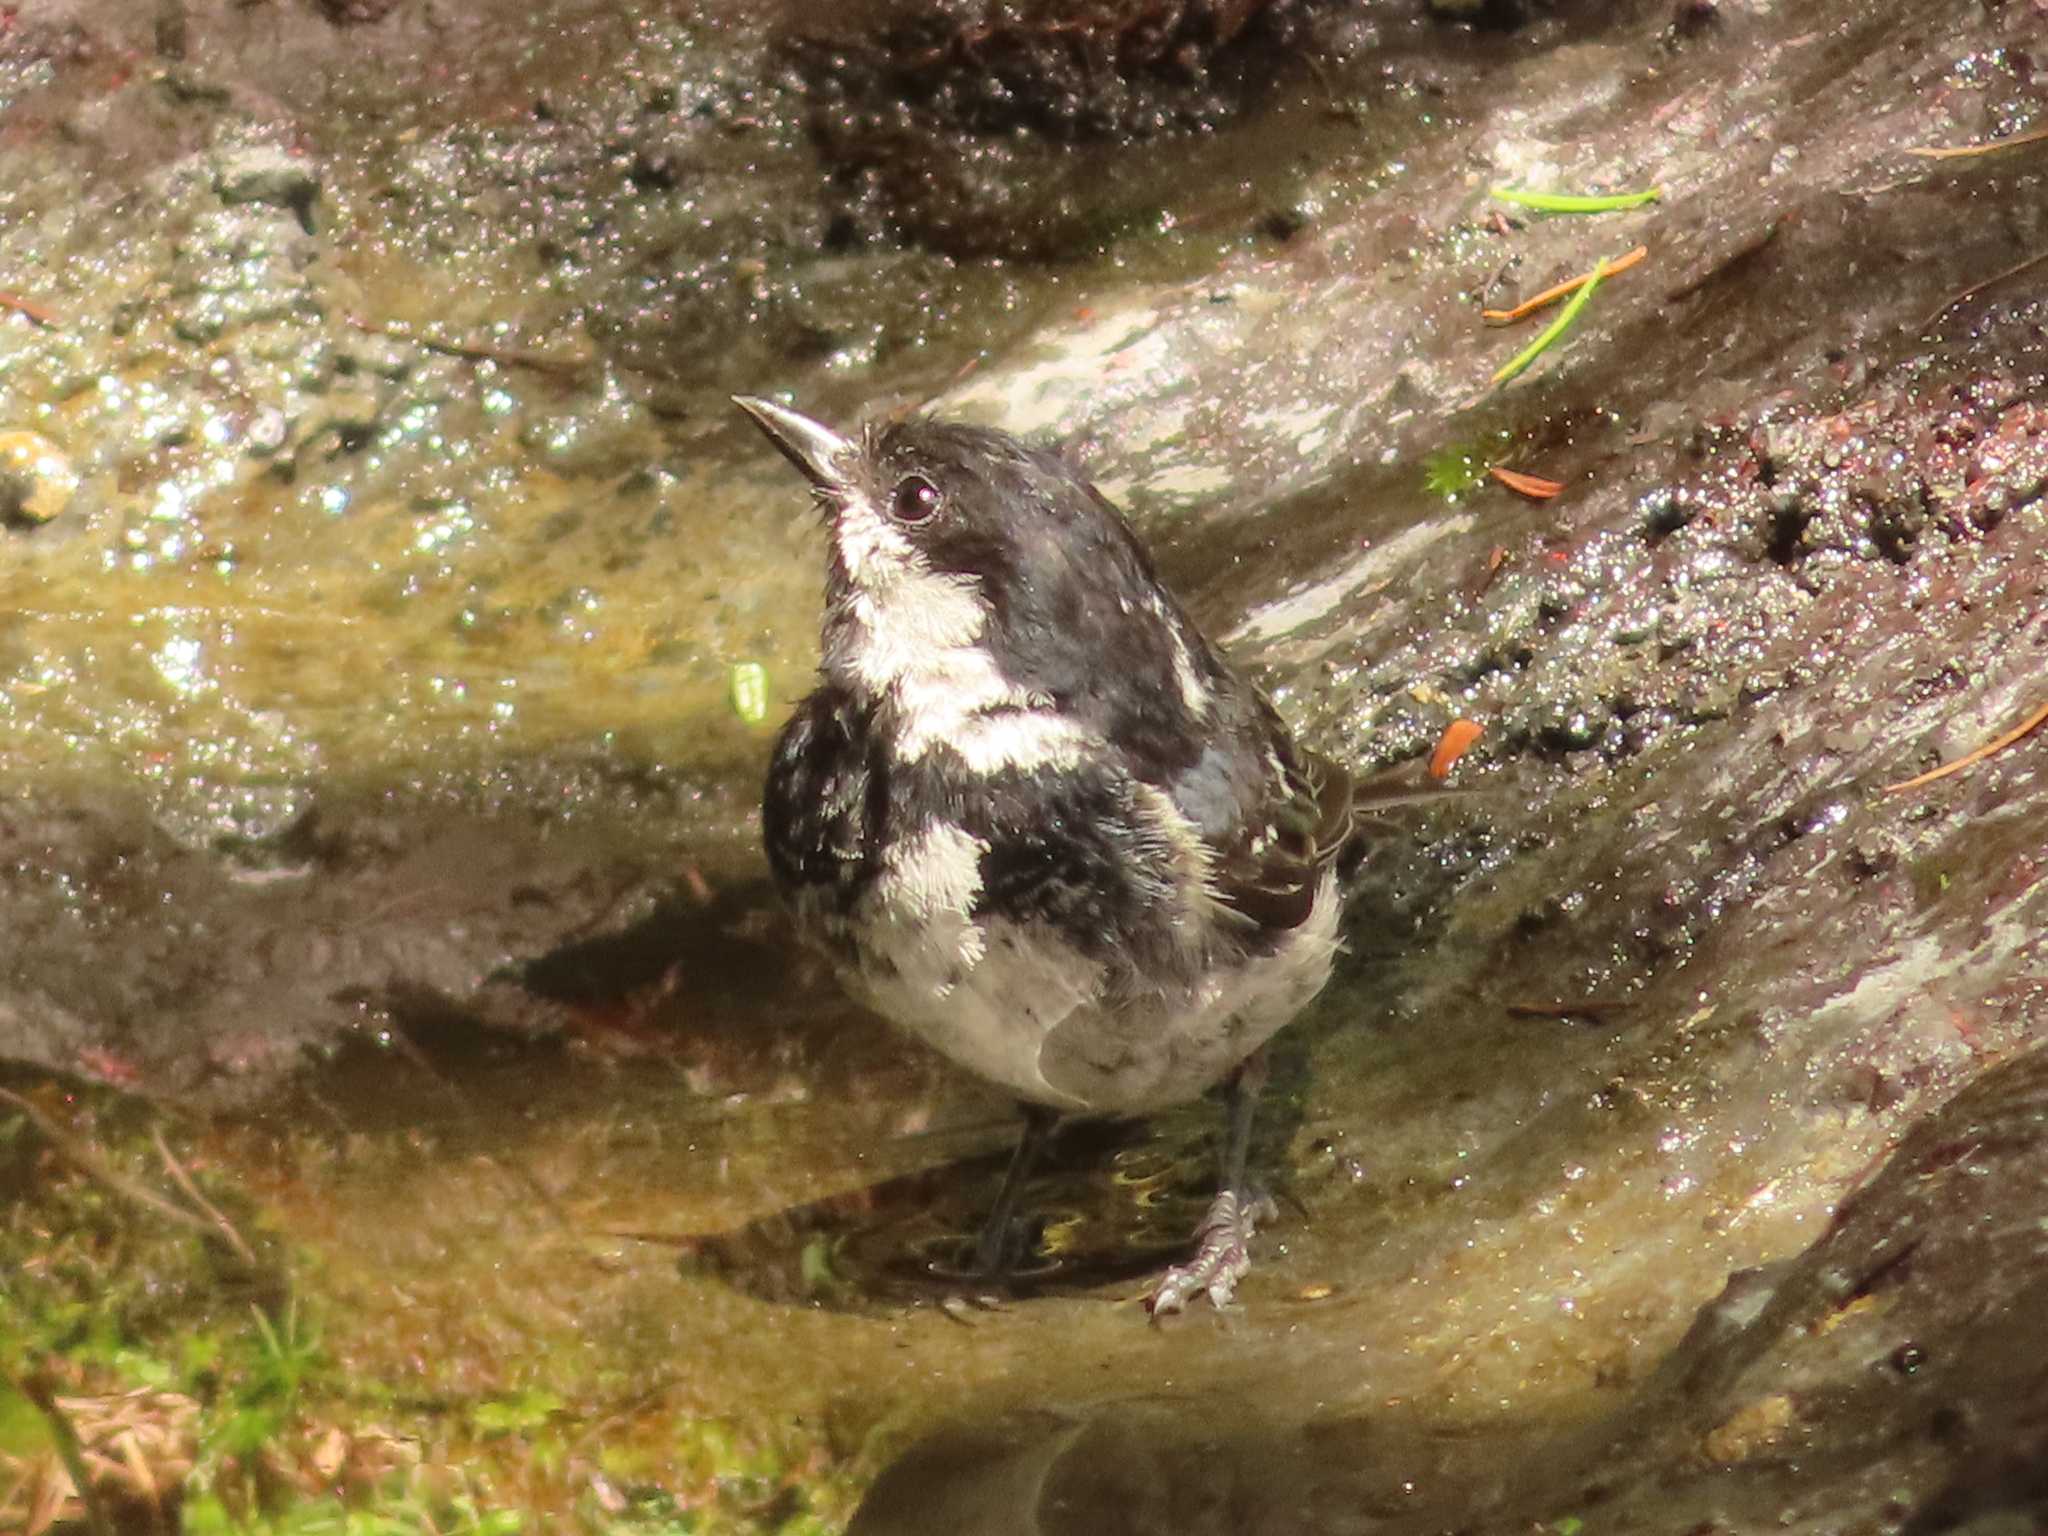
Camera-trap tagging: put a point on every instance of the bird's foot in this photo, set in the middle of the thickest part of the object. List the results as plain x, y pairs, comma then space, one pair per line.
1222, 1253
1004, 1258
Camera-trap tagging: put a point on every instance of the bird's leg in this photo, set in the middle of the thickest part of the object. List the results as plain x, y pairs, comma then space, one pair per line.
1223, 1239
1242, 1096
992, 1254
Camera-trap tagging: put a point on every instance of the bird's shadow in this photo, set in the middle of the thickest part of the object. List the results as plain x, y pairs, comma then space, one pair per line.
1113, 1204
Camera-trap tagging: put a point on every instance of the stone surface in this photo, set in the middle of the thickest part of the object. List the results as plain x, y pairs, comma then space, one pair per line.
368, 723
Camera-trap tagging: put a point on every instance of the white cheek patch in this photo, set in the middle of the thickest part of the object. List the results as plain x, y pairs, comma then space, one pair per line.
913, 634
874, 553
907, 619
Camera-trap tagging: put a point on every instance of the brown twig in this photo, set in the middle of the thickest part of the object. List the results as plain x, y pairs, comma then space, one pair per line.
100, 1171
1592, 1008
633, 1409
1974, 289
1963, 151
909, 407
1562, 290
2025, 728
184, 1181
509, 1162
514, 357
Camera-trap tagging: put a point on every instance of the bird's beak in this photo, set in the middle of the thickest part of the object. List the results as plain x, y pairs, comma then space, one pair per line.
811, 446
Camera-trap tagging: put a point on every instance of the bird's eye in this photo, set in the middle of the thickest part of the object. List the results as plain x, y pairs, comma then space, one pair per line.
916, 499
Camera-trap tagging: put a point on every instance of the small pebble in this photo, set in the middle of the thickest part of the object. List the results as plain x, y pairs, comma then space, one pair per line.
261, 173
268, 429
37, 481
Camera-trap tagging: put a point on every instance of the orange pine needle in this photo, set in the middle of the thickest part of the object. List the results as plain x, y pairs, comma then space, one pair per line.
1960, 151
1456, 740
1564, 289
2025, 728
1533, 486
29, 307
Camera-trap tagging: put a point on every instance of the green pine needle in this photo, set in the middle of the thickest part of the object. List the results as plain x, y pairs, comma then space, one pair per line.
1565, 202
1555, 329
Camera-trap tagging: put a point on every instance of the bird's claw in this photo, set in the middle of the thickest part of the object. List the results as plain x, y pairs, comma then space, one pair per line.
1222, 1253
964, 1309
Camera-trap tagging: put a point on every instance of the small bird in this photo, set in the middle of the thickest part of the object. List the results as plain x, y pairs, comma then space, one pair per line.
1030, 813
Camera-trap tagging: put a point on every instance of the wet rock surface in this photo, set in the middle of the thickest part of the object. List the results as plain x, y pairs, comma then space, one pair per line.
1802, 1397
378, 545
987, 131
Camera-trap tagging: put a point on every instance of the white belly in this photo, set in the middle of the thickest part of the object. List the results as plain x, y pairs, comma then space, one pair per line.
1017, 1005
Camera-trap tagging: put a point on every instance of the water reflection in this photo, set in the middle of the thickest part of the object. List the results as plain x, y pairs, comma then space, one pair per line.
1114, 1205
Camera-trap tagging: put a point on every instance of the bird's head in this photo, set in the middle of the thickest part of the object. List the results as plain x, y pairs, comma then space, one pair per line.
947, 537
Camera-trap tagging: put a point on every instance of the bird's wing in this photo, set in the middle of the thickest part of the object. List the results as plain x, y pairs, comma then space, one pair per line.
1270, 867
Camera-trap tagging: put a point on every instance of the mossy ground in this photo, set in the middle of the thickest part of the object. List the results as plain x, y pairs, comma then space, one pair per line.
207, 1382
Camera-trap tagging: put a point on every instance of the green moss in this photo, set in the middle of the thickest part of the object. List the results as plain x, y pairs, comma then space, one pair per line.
1451, 472
242, 1376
